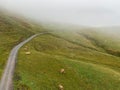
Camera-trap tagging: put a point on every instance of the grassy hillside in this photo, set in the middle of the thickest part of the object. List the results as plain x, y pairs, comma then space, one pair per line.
83, 54
13, 30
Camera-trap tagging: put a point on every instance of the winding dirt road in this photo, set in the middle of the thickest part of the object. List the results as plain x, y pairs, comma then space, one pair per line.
6, 81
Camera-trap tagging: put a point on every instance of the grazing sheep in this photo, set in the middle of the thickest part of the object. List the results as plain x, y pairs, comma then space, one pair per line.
60, 87
62, 71
26, 48
28, 53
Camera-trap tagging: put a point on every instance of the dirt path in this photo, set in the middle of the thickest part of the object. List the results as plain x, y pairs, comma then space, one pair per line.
6, 80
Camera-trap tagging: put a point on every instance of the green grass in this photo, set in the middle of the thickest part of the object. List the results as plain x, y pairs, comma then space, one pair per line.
91, 59
87, 66
13, 30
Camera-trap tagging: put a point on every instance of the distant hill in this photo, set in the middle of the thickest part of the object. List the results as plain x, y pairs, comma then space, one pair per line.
113, 31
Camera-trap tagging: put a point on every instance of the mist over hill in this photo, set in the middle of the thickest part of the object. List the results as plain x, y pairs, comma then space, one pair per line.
87, 12
74, 54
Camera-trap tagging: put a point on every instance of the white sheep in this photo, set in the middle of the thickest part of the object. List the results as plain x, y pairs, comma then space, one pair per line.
28, 53
62, 70
60, 87
26, 48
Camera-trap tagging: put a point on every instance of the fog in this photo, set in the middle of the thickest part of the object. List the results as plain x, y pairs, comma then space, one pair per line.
81, 12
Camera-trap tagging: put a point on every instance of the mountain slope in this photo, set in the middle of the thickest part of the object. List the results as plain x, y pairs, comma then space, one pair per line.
13, 30
88, 66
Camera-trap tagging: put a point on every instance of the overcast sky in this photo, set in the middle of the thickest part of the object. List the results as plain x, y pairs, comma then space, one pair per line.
82, 12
